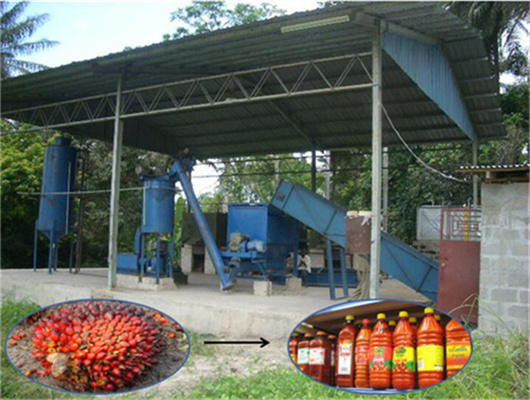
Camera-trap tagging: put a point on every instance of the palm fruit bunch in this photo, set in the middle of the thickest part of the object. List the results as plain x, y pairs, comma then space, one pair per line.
98, 345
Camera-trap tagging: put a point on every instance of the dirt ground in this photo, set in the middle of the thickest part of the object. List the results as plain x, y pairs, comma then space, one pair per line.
209, 362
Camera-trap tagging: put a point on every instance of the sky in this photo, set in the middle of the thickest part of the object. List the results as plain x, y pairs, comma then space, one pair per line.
86, 30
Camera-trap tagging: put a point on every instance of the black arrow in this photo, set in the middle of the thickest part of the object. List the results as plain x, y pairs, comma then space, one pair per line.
263, 342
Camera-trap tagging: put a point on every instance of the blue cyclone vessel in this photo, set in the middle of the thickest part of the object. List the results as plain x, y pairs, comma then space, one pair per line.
56, 208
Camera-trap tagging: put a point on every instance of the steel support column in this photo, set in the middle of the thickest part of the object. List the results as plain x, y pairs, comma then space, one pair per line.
377, 133
475, 177
115, 189
385, 189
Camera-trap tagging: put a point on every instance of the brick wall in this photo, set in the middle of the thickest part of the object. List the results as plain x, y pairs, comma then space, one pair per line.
504, 257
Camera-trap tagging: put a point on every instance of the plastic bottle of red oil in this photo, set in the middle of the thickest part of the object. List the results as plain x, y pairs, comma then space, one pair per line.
380, 355
333, 358
293, 346
457, 347
302, 355
320, 358
430, 350
404, 359
362, 378
345, 369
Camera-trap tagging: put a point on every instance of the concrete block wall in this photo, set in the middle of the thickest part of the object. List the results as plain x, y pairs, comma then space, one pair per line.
504, 257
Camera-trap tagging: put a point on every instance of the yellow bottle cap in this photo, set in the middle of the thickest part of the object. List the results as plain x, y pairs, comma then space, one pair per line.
413, 320
381, 316
437, 317
350, 317
296, 334
428, 310
404, 314
391, 323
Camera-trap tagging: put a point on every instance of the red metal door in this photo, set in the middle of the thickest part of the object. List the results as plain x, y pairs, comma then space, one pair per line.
459, 265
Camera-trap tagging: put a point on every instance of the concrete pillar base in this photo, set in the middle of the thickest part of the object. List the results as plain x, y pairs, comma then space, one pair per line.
186, 259
146, 283
262, 288
293, 285
209, 269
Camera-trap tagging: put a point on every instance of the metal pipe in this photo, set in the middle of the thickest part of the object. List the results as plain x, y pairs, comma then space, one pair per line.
313, 170
377, 141
475, 177
204, 229
35, 238
331, 274
50, 255
115, 190
343, 272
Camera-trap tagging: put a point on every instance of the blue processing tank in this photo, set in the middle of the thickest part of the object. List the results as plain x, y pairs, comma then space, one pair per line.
158, 215
58, 176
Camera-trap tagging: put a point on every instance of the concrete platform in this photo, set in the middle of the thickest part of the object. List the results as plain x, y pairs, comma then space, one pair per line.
198, 306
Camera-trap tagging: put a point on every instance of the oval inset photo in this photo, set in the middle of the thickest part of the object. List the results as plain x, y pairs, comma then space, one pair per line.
97, 346
380, 346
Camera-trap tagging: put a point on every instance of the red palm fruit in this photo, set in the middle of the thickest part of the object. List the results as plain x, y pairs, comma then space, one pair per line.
116, 371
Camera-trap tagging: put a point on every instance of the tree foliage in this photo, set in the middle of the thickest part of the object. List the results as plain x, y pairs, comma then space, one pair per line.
207, 16
502, 24
14, 39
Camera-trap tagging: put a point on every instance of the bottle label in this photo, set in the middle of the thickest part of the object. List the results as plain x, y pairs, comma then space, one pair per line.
317, 356
380, 358
457, 356
430, 358
345, 357
404, 359
361, 355
303, 356
332, 362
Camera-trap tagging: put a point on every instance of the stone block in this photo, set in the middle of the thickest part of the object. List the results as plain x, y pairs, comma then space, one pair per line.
519, 312
186, 259
209, 268
505, 295
262, 288
293, 285
523, 296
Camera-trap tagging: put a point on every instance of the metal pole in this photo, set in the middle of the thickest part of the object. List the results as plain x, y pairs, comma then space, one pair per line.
377, 133
35, 240
475, 177
276, 172
327, 176
385, 189
331, 272
313, 169
115, 190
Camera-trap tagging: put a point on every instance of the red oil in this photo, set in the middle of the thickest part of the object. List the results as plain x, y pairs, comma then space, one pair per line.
333, 358
293, 346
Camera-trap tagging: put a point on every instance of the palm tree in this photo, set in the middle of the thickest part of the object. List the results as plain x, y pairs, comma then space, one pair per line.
14, 34
502, 23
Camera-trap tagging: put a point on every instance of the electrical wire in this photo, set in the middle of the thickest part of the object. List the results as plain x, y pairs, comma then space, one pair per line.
420, 161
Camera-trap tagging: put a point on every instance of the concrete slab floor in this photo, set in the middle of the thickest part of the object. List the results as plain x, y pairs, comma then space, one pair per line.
198, 306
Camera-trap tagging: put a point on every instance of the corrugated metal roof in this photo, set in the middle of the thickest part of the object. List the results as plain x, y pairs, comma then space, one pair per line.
336, 120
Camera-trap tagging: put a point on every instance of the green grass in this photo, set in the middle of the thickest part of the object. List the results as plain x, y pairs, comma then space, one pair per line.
497, 370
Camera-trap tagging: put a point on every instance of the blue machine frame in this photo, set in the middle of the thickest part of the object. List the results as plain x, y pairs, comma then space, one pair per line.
268, 238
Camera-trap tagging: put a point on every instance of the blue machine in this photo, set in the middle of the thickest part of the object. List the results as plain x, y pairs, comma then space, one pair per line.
56, 209
260, 240
397, 259
153, 245
153, 256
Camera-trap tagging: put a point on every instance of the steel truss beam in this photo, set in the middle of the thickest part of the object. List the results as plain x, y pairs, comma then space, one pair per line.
327, 75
